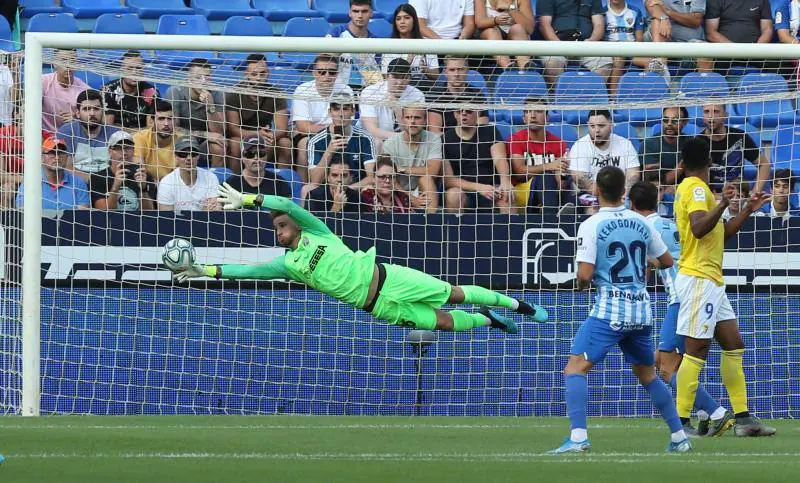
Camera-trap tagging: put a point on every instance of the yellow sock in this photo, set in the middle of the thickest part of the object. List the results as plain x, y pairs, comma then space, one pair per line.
733, 378
688, 380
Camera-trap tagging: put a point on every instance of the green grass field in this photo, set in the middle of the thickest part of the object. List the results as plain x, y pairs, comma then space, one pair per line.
177, 449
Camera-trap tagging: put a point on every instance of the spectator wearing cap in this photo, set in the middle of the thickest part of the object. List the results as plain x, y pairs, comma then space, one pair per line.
263, 114
200, 111
476, 170
367, 64
61, 190
310, 109
256, 178
446, 19
456, 89
60, 90
505, 20
341, 140
417, 154
383, 196
87, 136
335, 195
784, 201
124, 184
569, 21
188, 188
380, 103
128, 100
154, 147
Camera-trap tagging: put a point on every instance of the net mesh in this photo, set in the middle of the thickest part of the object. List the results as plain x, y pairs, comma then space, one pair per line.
119, 338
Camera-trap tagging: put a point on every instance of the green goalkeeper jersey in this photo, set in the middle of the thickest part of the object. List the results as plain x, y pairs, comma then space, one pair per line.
321, 260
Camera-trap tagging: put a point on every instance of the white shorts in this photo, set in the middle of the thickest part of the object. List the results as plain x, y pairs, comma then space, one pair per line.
590, 63
703, 304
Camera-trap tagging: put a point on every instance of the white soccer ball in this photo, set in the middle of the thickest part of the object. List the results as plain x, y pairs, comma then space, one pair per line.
178, 254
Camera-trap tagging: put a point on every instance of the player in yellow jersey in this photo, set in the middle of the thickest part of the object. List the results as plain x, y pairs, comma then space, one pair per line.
705, 312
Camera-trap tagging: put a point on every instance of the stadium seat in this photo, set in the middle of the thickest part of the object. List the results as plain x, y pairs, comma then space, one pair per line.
767, 113
334, 11
182, 25
93, 79
579, 87
157, 8
639, 87
474, 79
505, 130
223, 9
566, 132
92, 8
225, 75
29, 8
118, 23
380, 28
512, 87
386, 8
629, 132
286, 78
702, 84
786, 149
256, 26
304, 27
53, 22
284, 10
6, 37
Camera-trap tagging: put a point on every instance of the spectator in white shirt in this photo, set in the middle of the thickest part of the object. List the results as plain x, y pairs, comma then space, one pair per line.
188, 188
381, 103
424, 67
9, 75
367, 64
311, 103
446, 19
505, 20
601, 148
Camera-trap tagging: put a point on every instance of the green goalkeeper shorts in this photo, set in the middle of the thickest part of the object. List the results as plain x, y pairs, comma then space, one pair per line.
410, 298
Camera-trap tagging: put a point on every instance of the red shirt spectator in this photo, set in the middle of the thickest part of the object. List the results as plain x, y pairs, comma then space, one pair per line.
401, 203
12, 148
536, 152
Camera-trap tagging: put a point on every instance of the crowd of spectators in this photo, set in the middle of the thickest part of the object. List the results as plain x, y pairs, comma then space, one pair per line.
336, 145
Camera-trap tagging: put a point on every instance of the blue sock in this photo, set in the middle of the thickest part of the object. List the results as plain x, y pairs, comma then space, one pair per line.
577, 394
662, 400
702, 401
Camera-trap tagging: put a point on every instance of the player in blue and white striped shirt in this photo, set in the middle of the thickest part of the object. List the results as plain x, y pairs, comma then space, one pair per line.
613, 248
644, 200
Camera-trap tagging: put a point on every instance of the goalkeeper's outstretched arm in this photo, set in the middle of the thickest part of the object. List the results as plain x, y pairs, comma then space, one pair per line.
272, 270
232, 200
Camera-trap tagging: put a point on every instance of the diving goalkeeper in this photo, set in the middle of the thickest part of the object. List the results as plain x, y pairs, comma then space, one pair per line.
396, 294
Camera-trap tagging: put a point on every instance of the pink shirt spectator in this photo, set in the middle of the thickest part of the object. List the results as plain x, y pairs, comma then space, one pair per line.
57, 99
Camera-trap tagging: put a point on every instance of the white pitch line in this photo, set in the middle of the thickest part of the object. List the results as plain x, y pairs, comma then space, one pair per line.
315, 427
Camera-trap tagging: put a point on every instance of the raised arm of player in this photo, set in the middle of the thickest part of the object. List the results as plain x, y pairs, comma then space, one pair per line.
274, 269
233, 200
702, 221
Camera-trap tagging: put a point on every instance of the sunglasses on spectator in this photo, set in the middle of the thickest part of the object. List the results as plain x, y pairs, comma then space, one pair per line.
252, 154
186, 154
385, 177
324, 72
671, 120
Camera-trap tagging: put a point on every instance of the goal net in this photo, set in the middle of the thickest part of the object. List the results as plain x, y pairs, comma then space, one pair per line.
442, 161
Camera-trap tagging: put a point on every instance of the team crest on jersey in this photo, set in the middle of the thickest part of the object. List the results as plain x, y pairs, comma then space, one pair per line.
305, 242
629, 21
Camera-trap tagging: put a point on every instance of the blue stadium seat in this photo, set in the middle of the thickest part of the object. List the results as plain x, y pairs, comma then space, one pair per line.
6, 36
92, 8
691, 129
629, 132
386, 8
641, 86
474, 79
93, 79
304, 27
380, 28
702, 84
786, 149
222, 9
753, 131
118, 23
579, 87
256, 26
512, 87
284, 10
505, 129
157, 8
53, 22
182, 25
334, 11
566, 132
33, 7
764, 114
225, 75
286, 78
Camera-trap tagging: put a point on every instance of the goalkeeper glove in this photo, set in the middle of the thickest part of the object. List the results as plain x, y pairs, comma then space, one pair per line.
230, 199
195, 271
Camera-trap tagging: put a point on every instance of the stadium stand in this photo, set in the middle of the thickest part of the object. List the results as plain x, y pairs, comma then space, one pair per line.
118, 23
380, 28
637, 86
334, 11
53, 22
255, 26
702, 84
579, 87
93, 8
283, 10
513, 87
304, 27
786, 149
153, 9
768, 113
219, 10
182, 25
386, 8
34, 7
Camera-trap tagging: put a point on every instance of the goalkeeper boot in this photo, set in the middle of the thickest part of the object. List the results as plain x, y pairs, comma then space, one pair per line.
751, 426
569, 446
718, 427
499, 322
680, 447
535, 312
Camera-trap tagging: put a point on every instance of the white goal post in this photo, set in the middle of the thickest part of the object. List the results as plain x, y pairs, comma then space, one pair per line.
34, 54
